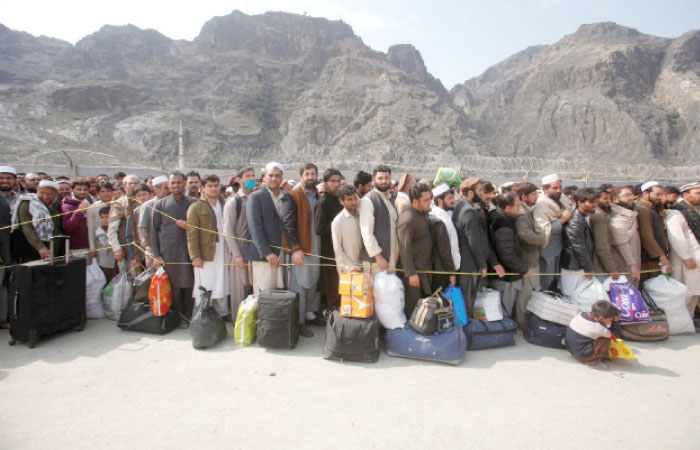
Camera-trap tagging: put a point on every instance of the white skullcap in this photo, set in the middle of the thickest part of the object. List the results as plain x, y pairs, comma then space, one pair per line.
274, 165
649, 185
441, 189
48, 184
63, 182
687, 187
159, 180
551, 178
8, 169
229, 190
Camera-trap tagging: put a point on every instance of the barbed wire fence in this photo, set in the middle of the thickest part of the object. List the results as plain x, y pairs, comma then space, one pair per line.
420, 165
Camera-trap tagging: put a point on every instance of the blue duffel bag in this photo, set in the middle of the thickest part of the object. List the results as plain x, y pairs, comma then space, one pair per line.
545, 333
482, 334
446, 347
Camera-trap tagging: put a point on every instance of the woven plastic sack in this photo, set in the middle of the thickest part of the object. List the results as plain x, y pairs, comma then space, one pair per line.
669, 295
160, 294
116, 295
587, 293
389, 300
449, 176
94, 282
487, 305
244, 329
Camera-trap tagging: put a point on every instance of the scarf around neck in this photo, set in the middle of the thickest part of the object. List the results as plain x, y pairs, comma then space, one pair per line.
692, 217
41, 217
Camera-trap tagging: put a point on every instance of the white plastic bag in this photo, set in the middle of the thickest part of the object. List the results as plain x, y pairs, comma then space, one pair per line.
94, 282
389, 300
608, 281
669, 295
116, 295
487, 305
587, 293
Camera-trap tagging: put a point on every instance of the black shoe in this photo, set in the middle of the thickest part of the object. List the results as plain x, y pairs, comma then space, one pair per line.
319, 321
305, 332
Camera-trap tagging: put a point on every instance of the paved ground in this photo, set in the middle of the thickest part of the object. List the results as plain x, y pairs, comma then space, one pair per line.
106, 388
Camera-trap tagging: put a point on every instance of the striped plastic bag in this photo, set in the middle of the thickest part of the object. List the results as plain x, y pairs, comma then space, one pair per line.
160, 294
244, 329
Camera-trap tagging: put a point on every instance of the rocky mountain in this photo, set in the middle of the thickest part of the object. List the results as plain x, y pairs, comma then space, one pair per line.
604, 93
298, 88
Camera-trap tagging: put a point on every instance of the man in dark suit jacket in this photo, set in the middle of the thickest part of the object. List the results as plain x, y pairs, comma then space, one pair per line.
473, 241
8, 180
271, 226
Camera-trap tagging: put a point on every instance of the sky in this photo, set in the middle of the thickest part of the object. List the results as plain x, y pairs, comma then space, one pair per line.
457, 39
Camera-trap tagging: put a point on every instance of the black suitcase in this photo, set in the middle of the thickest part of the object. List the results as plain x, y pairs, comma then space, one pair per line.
47, 297
352, 339
545, 333
278, 319
137, 316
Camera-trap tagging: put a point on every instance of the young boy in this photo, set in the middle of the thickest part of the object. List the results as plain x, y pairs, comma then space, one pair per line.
105, 257
588, 336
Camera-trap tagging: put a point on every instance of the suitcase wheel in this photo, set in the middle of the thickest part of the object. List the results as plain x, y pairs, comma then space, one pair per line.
12, 341
33, 338
80, 328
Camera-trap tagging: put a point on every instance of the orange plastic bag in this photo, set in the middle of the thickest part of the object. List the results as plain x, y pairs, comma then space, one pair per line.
160, 294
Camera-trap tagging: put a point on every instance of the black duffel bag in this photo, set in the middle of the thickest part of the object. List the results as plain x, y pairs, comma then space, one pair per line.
432, 314
351, 339
137, 316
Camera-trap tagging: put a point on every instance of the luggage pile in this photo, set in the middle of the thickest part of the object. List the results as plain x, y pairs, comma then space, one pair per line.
490, 328
431, 334
550, 314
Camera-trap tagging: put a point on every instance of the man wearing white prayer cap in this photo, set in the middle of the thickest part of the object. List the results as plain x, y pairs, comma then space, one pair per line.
8, 180
652, 231
551, 212
161, 187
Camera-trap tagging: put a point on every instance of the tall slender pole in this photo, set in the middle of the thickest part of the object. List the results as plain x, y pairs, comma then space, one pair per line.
180, 150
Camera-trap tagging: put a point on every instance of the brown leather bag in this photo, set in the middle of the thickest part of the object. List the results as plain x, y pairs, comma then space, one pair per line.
432, 314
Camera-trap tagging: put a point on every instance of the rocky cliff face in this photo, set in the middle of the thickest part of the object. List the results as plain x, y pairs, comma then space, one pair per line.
295, 88
604, 93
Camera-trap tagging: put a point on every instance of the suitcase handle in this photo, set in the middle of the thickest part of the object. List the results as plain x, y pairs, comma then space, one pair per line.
66, 238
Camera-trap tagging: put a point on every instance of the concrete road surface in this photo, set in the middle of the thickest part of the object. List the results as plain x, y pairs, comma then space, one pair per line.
105, 388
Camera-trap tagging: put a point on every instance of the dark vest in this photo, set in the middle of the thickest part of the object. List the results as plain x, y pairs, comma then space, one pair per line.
657, 226
382, 223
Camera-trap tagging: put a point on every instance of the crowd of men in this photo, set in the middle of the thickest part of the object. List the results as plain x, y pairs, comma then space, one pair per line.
263, 231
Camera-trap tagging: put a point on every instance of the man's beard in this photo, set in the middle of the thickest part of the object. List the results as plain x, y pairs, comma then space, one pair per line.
5, 188
555, 196
658, 205
626, 206
310, 185
477, 199
382, 188
607, 209
31, 190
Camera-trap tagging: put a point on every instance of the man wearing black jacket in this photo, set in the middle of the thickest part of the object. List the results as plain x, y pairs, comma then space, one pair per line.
327, 208
578, 246
504, 239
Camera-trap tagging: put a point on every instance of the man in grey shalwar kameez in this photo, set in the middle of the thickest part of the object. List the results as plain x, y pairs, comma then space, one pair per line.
169, 243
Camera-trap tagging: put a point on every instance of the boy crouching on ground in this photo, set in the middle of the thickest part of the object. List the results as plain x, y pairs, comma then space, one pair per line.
588, 336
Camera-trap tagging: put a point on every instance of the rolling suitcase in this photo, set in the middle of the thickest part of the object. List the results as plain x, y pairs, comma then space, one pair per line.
352, 339
447, 347
47, 297
278, 319
545, 333
137, 316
